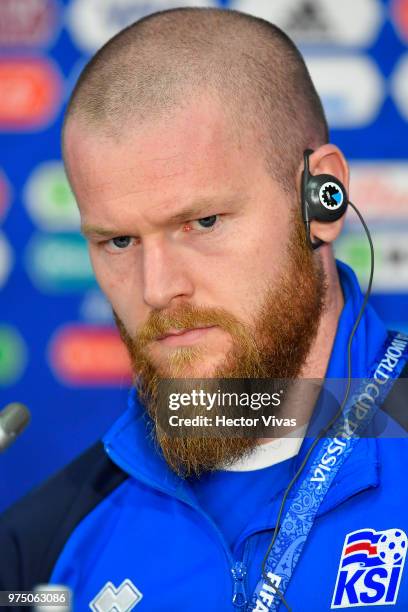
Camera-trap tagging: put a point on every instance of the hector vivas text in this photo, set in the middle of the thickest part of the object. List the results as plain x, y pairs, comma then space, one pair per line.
217, 401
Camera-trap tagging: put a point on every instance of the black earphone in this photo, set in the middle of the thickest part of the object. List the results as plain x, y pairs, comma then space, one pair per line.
323, 198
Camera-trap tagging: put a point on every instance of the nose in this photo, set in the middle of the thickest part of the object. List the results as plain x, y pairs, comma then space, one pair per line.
165, 277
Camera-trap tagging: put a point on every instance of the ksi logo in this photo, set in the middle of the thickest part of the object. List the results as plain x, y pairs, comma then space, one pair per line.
370, 569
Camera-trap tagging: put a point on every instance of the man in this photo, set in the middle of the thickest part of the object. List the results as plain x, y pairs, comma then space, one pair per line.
184, 144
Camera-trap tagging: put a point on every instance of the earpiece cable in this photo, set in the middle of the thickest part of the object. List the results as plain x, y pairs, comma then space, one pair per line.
333, 420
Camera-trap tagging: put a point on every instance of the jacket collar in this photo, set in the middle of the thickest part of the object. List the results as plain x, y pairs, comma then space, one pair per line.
359, 473
130, 444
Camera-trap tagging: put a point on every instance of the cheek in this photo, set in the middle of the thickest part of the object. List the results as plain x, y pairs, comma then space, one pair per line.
119, 287
244, 275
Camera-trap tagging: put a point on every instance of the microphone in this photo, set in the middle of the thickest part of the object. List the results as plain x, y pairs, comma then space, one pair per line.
13, 420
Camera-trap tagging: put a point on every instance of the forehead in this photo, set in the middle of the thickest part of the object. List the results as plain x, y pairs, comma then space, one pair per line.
196, 151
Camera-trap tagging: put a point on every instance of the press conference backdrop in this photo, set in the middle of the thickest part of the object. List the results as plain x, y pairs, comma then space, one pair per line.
59, 352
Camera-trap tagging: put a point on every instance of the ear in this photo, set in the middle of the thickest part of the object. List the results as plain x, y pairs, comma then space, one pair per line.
328, 159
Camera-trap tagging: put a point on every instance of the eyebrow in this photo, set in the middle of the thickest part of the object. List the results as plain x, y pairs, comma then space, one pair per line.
94, 230
186, 214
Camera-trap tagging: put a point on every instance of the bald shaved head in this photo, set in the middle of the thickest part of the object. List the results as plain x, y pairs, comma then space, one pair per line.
169, 59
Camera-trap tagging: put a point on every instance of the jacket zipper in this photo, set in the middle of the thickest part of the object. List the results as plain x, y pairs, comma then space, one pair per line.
239, 572
238, 569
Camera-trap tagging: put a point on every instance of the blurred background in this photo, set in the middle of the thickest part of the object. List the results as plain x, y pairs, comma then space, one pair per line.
59, 352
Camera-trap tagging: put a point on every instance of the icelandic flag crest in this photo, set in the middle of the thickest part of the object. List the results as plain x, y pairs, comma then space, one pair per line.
370, 569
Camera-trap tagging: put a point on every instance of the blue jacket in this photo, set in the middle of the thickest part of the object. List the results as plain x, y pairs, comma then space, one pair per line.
138, 534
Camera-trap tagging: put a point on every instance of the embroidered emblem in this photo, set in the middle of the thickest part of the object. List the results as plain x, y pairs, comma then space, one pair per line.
112, 599
370, 569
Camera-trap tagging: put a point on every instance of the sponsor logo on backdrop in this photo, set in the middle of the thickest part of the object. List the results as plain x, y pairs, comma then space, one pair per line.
30, 93
351, 89
399, 85
5, 195
399, 15
318, 22
93, 22
6, 260
28, 22
370, 569
379, 189
391, 257
59, 263
89, 356
13, 355
49, 198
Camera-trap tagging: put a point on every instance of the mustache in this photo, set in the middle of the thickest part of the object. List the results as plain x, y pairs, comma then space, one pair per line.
187, 316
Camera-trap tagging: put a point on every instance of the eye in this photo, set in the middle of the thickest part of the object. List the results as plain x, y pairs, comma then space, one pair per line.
120, 242
203, 223
207, 221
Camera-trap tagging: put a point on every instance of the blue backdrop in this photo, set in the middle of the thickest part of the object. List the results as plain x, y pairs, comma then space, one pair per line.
59, 352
